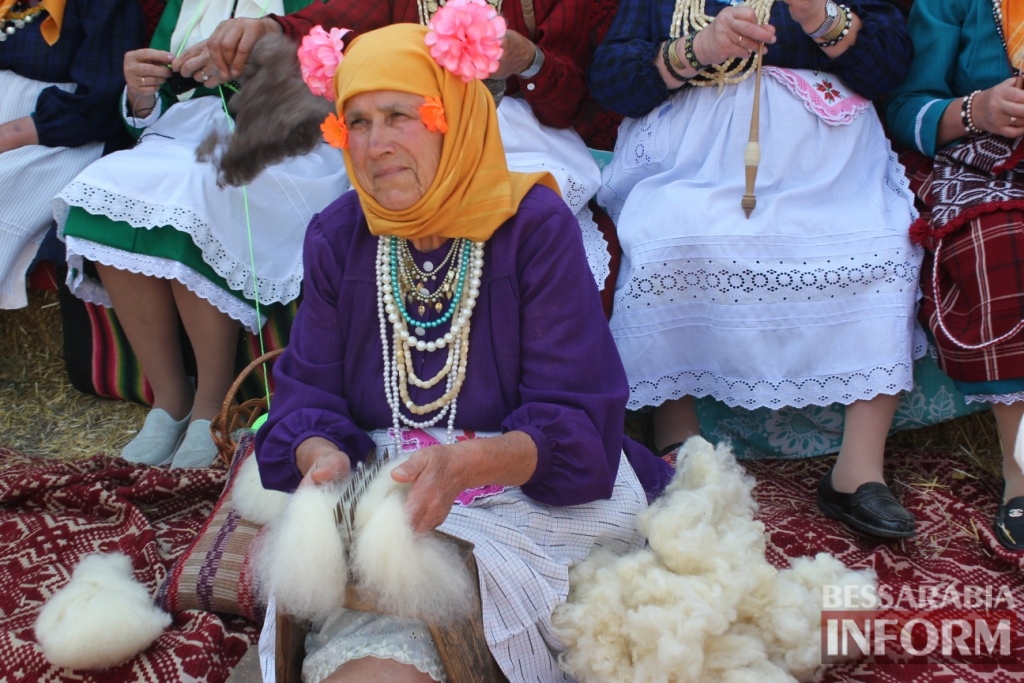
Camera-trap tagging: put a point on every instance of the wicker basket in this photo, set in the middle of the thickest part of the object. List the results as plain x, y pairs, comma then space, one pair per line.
234, 416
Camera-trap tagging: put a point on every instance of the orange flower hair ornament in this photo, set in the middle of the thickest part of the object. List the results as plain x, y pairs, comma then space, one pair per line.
432, 115
336, 132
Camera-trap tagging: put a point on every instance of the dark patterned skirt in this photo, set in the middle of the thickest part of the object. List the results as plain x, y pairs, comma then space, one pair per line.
972, 224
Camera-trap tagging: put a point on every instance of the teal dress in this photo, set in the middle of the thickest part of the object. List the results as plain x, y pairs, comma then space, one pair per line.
957, 51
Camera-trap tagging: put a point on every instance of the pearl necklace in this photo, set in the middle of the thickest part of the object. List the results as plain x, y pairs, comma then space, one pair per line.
19, 16
997, 15
689, 15
398, 348
428, 7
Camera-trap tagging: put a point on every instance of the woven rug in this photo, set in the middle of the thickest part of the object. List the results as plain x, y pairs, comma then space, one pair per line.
955, 546
54, 513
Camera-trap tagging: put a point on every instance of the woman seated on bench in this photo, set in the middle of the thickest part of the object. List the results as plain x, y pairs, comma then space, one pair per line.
446, 290
810, 298
962, 103
173, 249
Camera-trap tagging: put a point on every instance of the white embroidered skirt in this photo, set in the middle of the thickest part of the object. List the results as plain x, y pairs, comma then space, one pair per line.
812, 299
251, 238
29, 178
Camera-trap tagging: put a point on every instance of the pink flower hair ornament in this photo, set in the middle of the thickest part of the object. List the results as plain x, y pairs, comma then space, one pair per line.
319, 56
465, 38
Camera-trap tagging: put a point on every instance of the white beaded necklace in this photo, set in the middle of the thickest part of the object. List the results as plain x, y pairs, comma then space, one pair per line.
428, 7
689, 15
398, 365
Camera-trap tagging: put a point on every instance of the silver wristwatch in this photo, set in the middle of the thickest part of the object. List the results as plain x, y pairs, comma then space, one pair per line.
534, 68
831, 13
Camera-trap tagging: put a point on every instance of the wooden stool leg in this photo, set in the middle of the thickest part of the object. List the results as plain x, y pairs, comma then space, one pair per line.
462, 646
289, 650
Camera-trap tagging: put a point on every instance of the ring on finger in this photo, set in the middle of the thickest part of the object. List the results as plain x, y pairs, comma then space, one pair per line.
143, 79
1013, 120
739, 40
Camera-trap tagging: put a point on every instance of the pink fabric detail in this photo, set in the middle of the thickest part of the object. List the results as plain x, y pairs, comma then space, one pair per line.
319, 56
823, 94
415, 439
465, 38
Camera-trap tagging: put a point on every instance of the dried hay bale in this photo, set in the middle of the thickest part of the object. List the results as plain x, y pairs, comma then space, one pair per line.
41, 413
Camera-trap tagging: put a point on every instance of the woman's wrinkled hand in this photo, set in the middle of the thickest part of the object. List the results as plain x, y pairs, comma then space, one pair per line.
145, 71
197, 63
431, 473
327, 468
734, 34
320, 462
231, 43
1000, 109
517, 53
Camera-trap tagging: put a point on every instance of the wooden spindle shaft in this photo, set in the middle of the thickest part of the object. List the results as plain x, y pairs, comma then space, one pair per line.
752, 154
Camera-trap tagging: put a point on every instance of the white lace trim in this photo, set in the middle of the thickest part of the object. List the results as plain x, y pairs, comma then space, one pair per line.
738, 281
1004, 399
373, 635
93, 292
144, 215
595, 246
824, 95
795, 393
897, 181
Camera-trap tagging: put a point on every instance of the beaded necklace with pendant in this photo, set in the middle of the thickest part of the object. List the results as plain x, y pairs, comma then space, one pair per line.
399, 346
413, 280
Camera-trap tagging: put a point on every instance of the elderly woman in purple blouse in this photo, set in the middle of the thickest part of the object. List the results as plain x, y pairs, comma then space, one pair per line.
447, 300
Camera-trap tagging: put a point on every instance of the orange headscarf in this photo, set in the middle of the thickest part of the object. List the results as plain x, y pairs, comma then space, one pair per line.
50, 28
1013, 32
473, 192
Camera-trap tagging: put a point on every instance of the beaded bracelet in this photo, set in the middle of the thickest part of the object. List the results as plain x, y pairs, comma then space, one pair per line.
667, 52
691, 55
966, 116
840, 30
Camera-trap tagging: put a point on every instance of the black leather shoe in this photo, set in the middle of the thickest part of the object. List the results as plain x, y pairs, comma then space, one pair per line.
871, 509
1009, 524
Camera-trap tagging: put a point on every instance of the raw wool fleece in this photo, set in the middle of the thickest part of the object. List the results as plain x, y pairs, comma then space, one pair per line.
700, 603
304, 564
101, 618
408, 574
301, 560
253, 502
276, 116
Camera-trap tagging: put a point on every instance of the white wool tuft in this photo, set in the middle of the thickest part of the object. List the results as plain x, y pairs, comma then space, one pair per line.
302, 559
700, 603
417, 575
253, 502
101, 618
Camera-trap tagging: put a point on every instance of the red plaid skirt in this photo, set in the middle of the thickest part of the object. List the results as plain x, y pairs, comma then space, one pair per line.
973, 276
